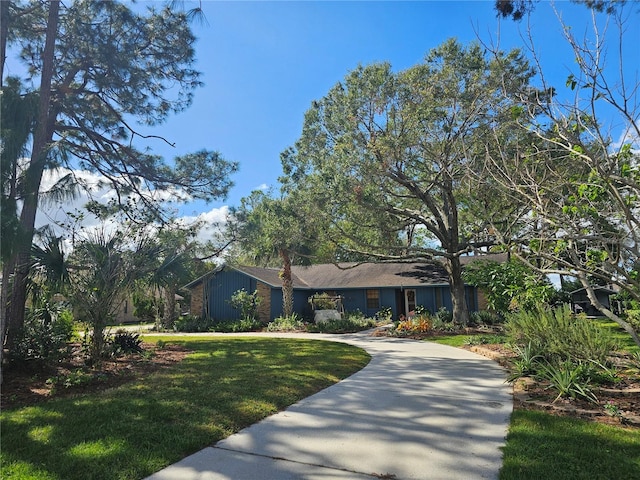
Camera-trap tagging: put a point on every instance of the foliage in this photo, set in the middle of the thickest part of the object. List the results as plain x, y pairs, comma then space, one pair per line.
103, 274
386, 157
247, 303
47, 332
485, 339
275, 229
579, 174
526, 362
444, 315
384, 315
289, 323
124, 343
323, 301
509, 285
193, 323
350, 324
568, 379
558, 335
234, 326
131, 431
486, 317
87, 110
414, 326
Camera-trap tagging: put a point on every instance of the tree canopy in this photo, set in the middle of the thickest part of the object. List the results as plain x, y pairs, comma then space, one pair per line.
392, 153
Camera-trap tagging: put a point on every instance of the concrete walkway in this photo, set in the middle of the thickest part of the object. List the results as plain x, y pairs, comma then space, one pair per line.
418, 410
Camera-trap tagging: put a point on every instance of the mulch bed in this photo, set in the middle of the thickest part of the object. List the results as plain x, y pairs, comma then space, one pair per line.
529, 394
28, 384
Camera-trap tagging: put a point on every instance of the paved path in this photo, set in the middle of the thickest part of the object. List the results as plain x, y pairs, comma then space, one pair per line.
418, 410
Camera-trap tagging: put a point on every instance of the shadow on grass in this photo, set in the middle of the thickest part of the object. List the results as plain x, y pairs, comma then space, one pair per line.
543, 446
136, 429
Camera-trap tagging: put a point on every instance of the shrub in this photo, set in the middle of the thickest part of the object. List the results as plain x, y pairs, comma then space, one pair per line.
444, 315
486, 317
235, 326
349, 324
414, 326
124, 343
192, 323
559, 335
323, 301
291, 323
246, 302
46, 334
384, 315
569, 380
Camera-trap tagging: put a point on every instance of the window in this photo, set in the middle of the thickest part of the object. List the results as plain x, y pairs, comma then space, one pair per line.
373, 299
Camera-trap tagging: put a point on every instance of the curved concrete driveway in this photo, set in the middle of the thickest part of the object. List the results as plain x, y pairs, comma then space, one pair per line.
418, 410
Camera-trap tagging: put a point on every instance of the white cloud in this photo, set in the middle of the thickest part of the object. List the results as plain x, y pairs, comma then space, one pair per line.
61, 215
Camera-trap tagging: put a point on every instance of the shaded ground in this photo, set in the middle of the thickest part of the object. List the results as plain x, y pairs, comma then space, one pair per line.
28, 384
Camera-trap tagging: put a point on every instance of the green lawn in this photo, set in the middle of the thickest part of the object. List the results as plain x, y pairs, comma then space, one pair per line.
134, 430
543, 446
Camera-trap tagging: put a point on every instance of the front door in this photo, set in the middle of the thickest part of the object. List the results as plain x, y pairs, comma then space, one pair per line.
410, 301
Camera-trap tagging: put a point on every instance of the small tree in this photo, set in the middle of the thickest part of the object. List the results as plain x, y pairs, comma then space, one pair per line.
247, 303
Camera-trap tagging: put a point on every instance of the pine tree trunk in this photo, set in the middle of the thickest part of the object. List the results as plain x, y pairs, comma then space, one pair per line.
287, 284
19, 263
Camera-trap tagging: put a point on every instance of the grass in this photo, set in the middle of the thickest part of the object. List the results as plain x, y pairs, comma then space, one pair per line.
134, 430
544, 446
457, 340
623, 338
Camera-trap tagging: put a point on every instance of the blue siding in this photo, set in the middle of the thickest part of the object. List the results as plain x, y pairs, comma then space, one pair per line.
221, 288
225, 283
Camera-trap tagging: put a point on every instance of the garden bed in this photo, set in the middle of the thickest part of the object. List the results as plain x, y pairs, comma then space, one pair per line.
27, 384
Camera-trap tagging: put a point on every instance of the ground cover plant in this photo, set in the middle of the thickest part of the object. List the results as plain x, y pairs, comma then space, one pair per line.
137, 428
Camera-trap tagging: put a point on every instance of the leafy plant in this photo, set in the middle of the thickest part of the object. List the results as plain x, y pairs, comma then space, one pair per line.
414, 326
47, 331
559, 335
349, 324
291, 323
124, 343
235, 326
444, 315
526, 363
385, 315
568, 380
246, 302
193, 323
322, 301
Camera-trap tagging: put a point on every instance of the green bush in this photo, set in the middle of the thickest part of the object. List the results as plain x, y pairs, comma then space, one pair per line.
124, 343
384, 315
485, 317
45, 338
235, 326
444, 315
247, 303
292, 323
349, 324
192, 323
559, 335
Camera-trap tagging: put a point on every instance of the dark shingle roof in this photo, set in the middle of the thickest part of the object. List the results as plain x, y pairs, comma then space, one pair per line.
353, 275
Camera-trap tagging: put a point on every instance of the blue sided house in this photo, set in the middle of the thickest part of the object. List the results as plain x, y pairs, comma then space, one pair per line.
366, 287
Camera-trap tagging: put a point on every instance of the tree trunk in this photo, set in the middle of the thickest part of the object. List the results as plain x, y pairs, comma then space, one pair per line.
4, 35
169, 314
458, 294
19, 263
591, 295
287, 284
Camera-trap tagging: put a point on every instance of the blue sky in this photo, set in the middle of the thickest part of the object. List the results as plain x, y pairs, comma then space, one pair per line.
263, 63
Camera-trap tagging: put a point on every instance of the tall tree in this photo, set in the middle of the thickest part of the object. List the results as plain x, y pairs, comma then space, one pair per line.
392, 152
580, 183
104, 73
275, 230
